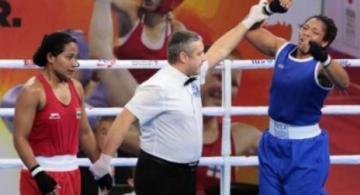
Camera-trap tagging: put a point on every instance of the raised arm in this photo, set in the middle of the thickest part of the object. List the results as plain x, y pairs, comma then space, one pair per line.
262, 39
129, 10
101, 47
330, 68
227, 42
337, 75
101, 31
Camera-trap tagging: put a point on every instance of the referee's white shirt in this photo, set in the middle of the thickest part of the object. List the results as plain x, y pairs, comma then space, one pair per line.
170, 115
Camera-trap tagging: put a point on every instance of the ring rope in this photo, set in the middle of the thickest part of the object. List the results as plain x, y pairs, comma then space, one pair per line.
217, 111
240, 161
155, 64
209, 111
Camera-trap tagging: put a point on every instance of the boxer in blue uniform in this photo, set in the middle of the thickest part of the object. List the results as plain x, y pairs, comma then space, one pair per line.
294, 151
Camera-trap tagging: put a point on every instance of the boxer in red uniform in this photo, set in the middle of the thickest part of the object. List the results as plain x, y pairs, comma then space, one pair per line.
50, 122
145, 28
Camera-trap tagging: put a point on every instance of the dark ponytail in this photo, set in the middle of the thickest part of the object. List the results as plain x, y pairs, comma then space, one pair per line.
53, 44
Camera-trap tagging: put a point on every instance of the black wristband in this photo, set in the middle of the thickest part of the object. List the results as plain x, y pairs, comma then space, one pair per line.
105, 182
44, 182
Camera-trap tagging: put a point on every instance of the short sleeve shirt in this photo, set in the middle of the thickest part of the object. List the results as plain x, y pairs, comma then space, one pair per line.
170, 115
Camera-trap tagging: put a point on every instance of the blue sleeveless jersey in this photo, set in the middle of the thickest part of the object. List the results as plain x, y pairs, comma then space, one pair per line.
295, 97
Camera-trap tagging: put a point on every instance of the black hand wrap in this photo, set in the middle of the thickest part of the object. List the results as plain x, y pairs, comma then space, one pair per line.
45, 183
274, 7
105, 181
319, 53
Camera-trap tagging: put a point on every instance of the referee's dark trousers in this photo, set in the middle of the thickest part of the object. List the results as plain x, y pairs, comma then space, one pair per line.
155, 176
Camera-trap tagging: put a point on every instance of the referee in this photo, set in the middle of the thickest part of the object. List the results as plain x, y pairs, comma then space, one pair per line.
169, 111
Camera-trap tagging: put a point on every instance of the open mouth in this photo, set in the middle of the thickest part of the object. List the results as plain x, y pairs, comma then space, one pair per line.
303, 42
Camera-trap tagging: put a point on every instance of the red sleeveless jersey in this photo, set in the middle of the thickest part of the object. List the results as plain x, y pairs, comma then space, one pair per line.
56, 127
134, 49
209, 176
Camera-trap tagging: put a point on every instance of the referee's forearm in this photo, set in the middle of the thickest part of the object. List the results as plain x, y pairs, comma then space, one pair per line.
116, 134
112, 143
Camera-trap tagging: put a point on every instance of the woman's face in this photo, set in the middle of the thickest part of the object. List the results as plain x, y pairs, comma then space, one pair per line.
65, 64
312, 30
211, 90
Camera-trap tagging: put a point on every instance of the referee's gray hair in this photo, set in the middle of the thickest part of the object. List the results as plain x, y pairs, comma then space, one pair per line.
180, 41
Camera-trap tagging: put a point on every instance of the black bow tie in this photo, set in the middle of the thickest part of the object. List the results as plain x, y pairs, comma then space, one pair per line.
191, 79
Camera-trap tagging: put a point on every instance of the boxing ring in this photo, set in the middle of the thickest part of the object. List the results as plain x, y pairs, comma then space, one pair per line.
225, 160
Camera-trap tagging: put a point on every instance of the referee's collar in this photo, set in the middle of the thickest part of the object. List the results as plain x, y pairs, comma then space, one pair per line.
190, 80
178, 75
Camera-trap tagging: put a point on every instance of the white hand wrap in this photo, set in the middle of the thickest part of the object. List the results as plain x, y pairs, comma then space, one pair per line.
255, 15
102, 166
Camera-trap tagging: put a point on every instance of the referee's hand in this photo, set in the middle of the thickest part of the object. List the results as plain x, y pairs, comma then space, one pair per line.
101, 170
45, 182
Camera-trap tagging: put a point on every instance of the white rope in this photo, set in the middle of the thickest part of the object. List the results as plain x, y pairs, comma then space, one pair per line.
208, 111
226, 161
156, 64
218, 111
240, 161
